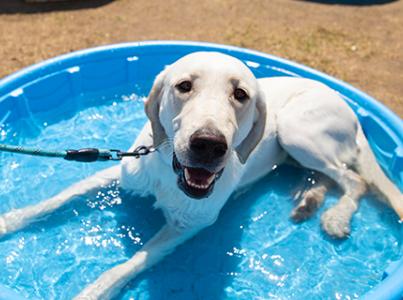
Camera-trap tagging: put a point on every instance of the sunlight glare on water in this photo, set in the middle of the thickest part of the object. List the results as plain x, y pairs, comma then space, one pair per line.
253, 251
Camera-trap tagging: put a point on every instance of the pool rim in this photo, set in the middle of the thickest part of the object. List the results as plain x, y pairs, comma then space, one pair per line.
390, 287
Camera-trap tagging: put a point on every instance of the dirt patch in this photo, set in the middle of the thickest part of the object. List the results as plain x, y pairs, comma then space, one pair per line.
361, 44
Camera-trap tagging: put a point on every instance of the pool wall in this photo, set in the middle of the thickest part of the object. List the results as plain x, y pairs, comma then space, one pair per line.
45, 85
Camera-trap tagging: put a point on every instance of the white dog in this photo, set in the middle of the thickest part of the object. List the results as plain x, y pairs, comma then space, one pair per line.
217, 128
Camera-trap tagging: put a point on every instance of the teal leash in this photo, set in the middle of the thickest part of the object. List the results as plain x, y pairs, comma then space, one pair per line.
81, 155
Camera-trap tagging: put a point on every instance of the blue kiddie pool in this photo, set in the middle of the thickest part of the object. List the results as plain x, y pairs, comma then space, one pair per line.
94, 98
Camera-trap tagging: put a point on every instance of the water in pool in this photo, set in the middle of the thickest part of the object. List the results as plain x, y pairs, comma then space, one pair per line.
253, 251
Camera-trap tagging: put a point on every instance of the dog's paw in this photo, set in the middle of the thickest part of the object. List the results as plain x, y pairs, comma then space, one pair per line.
335, 223
302, 212
307, 207
10, 222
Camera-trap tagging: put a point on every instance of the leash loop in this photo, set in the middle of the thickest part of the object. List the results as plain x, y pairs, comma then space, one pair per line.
139, 151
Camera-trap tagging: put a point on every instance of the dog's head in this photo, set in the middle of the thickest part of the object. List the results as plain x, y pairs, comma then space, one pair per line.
206, 105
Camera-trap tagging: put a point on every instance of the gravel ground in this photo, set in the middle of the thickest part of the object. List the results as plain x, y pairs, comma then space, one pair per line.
360, 44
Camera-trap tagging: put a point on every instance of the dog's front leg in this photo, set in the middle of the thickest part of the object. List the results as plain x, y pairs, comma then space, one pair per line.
112, 281
19, 218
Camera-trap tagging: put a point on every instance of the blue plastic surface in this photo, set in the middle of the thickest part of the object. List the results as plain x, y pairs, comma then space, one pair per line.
44, 86
9, 294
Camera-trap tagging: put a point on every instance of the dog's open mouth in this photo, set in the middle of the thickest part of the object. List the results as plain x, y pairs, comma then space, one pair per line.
195, 182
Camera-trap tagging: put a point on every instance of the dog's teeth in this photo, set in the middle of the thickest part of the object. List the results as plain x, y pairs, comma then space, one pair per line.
198, 186
210, 179
187, 175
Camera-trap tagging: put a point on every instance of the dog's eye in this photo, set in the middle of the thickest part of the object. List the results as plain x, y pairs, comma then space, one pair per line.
184, 86
240, 95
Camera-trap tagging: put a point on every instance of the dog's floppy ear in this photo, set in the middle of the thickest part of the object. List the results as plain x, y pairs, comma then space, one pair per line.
256, 133
152, 108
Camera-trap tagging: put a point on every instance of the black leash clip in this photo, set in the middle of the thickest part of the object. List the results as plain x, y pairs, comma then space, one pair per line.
86, 155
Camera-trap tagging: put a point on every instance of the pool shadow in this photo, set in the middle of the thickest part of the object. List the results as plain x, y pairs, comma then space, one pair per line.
199, 268
203, 267
22, 7
352, 2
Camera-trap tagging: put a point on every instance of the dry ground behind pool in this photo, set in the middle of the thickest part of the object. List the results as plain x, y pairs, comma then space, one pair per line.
362, 45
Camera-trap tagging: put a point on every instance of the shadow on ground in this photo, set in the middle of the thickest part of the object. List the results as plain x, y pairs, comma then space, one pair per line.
353, 2
21, 7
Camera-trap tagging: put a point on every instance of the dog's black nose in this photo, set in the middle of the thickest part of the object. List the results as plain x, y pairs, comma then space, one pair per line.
208, 144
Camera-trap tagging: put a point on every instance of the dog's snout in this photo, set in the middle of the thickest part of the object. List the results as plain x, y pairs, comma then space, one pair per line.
208, 144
